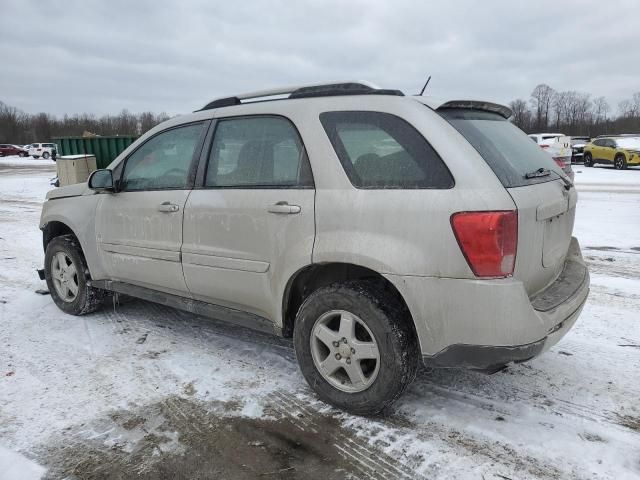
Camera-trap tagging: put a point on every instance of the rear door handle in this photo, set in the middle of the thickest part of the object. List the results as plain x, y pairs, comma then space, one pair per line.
168, 207
284, 208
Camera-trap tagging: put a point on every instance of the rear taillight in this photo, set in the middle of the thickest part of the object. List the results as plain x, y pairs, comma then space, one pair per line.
560, 162
488, 241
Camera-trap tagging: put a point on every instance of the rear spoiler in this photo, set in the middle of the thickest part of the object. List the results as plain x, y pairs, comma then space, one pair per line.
476, 105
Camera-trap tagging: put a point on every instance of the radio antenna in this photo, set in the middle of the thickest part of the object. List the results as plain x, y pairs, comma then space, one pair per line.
425, 86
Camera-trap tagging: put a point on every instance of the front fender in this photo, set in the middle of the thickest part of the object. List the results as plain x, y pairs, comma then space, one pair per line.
78, 214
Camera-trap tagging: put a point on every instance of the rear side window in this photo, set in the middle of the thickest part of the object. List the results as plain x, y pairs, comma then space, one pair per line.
379, 150
506, 149
258, 152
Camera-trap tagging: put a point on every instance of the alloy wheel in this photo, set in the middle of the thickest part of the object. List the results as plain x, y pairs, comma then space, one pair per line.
65, 277
345, 351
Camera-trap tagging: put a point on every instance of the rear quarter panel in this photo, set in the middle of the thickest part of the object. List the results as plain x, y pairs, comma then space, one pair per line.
404, 232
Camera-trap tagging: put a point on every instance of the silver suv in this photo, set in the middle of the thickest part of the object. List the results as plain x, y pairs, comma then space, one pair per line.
376, 229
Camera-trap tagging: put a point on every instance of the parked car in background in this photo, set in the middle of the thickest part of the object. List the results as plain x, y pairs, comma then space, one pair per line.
558, 146
577, 148
621, 152
8, 149
284, 216
44, 150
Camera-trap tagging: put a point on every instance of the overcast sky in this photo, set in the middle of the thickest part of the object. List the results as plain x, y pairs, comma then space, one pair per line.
103, 56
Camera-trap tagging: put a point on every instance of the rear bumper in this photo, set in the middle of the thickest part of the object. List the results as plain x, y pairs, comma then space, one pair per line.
487, 324
493, 358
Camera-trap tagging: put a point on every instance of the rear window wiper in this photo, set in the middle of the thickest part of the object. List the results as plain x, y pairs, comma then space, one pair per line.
545, 172
541, 172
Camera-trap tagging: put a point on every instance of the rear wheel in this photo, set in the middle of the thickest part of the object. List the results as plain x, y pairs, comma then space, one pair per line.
588, 160
355, 346
45, 155
620, 162
67, 277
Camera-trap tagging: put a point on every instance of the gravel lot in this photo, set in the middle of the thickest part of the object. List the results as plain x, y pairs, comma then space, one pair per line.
143, 391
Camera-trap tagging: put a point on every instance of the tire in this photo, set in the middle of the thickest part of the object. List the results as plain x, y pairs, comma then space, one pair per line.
22, 154
588, 160
620, 162
46, 155
382, 321
65, 270
35, 156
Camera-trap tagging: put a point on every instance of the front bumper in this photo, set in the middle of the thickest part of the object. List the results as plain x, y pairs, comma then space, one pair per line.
497, 323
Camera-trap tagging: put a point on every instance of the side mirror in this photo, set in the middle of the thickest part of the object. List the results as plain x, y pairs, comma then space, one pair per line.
101, 181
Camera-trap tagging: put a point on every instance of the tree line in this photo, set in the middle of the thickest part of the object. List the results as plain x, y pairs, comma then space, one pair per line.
20, 128
574, 113
568, 112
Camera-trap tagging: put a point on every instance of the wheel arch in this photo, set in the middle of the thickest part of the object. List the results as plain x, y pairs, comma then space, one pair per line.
55, 229
311, 277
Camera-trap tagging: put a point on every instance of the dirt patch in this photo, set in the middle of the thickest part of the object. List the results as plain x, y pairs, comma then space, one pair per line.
591, 437
497, 451
629, 421
189, 389
183, 439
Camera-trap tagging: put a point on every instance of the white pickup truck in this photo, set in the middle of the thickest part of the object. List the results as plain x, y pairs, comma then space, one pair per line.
558, 146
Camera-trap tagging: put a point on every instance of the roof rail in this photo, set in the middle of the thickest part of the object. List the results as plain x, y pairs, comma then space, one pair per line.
304, 91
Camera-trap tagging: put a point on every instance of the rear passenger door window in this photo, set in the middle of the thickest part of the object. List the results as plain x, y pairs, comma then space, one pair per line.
379, 151
257, 152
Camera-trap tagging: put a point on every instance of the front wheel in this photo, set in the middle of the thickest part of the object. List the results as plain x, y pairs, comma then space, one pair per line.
356, 346
22, 154
588, 160
620, 162
45, 155
67, 277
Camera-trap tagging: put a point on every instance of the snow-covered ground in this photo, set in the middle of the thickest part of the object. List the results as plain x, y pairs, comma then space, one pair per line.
143, 391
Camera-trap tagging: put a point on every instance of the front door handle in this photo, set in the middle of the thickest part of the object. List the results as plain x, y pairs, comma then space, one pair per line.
168, 207
284, 208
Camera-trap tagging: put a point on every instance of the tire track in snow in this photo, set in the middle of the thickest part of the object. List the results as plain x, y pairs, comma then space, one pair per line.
372, 462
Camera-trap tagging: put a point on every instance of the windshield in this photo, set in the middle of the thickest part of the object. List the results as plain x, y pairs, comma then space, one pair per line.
579, 140
507, 150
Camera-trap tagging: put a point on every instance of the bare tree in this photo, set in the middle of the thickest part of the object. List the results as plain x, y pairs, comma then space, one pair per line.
600, 109
541, 99
521, 114
560, 107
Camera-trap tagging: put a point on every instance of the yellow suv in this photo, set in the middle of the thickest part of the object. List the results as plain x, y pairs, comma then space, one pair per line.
620, 152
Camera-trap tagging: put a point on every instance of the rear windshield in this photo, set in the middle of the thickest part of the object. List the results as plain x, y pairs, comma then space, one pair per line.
507, 150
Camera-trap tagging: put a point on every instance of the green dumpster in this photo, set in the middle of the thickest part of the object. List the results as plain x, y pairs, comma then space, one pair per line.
105, 149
